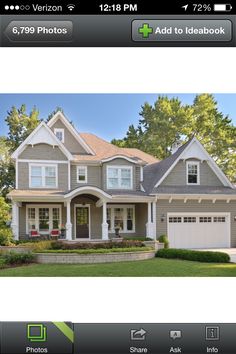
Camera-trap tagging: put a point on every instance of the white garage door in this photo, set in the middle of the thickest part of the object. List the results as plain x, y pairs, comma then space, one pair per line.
194, 230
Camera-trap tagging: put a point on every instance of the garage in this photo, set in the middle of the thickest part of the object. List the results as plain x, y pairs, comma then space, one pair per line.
198, 230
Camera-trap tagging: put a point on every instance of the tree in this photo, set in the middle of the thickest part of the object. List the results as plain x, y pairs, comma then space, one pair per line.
58, 109
168, 121
4, 213
7, 169
20, 125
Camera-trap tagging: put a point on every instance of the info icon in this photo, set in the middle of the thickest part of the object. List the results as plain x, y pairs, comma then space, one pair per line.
213, 333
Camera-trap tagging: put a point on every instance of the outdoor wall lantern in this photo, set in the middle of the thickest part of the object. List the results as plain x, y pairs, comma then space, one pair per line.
235, 218
162, 217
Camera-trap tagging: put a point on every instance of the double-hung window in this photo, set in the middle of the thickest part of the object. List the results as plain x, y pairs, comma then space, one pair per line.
119, 177
193, 176
59, 134
82, 174
43, 176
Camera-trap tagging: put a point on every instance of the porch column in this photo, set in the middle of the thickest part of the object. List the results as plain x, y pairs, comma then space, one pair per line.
149, 224
154, 219
104, 222
68, 221
15, 220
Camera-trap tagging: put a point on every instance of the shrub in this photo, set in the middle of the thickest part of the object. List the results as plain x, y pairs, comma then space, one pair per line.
137, 238
191, 255
57, 245
98, 250
18, 258
37, 246
6, 237
164, 239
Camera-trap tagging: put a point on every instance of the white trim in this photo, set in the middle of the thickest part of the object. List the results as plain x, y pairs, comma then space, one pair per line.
196, 196
37, 207
72, 131
82, 206
193, 162
69, 176
90, 190
120, 157
60, 130
44, 161
86, 173
227, 215
141, 173
22, 146
211, 163
43, 175
125, 207
120, 167
17, 174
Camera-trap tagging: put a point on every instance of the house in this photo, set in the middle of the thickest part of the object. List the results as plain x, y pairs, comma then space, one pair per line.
95, 190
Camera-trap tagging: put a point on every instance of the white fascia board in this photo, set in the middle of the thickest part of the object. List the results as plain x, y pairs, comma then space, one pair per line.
72, 130
120, 157
31, 136
195, 196
132, 199
212, 164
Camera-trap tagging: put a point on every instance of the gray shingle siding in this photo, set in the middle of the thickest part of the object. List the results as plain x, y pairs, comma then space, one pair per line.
23, 176
177, 177
42, 152
70, 142
94, 177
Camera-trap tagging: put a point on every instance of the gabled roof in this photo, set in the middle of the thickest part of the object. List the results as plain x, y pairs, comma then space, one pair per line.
153, 173
156, 173
73, 131
43, 132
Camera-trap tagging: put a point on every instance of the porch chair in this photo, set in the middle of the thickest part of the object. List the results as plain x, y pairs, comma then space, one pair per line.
34, 234
55, 234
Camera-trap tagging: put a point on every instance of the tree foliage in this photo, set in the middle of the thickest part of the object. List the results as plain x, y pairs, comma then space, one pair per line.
58, 109
20, 125
168, 120
4, 213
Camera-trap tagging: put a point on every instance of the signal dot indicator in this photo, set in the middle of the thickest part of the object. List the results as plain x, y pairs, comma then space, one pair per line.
6, 7
12, 7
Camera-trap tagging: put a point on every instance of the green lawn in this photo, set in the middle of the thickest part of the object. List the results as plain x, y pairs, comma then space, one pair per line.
155, 267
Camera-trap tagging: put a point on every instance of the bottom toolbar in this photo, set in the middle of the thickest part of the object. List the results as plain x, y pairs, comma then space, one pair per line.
90, 338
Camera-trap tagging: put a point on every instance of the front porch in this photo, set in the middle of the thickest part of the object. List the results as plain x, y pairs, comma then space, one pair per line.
85, 215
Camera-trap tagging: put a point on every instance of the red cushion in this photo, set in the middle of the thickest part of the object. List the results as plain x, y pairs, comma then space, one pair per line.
55, 232
34, 233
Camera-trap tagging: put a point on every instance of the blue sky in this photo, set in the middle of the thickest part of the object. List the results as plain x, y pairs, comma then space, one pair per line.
107, 115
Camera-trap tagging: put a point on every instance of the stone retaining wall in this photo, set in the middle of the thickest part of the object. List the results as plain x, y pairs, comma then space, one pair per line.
73, 258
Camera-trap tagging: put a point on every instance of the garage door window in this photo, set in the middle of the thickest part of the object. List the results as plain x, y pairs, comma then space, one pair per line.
219, 219
205, 219
175, 219
189, 219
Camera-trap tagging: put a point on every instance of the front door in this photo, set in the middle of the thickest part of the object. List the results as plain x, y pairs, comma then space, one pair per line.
82, 222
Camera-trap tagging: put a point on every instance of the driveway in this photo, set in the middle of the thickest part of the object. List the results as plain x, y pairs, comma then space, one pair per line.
230, 251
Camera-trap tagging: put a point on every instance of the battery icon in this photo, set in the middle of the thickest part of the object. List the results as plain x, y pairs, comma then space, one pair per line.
223, 7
